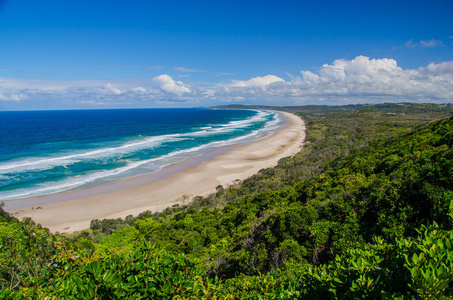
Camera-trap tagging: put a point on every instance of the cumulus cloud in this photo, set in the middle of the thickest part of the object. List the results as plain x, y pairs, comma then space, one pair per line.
167, 84
12, 96
363, 78
111, 89
352, 81
359, 80
257, 81
40, 94
138, 89
443, 68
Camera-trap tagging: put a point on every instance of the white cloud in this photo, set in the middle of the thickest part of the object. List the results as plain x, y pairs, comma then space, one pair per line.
432, 43
182, 69
139, 89
167, 84
443, 68
111, 89
12, 97
365, 78
40, 94
257, 81
360, 80
351, 81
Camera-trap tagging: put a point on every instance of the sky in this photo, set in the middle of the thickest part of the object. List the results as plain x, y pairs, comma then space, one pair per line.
133, 54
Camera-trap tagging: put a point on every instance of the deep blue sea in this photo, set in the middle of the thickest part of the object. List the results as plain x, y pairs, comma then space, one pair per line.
46, 152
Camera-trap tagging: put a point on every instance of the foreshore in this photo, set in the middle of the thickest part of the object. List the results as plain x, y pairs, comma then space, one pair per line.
141, 193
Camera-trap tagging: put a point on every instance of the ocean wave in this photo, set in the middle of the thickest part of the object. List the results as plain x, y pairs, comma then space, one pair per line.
231, 126
37, 163
152, 164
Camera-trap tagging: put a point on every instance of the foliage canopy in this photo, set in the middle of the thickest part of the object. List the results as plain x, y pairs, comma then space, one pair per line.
364, 211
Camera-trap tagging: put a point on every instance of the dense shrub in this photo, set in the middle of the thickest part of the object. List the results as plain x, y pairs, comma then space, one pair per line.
364, 211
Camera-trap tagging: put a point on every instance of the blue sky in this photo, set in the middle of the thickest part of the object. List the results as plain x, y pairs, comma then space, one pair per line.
107, 54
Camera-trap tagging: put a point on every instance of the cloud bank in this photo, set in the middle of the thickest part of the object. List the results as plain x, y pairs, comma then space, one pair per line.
360, 80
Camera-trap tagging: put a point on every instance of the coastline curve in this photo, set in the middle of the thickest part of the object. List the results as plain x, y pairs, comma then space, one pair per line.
157, 191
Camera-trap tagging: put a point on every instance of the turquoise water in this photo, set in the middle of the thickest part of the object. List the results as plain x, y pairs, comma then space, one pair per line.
46, 152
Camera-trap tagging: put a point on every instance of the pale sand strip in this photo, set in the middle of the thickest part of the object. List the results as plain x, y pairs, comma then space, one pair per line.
238, 163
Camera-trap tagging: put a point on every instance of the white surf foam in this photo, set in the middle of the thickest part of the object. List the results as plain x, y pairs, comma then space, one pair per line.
156, 163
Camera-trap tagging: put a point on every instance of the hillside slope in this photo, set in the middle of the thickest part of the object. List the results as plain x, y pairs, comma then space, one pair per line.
376, 222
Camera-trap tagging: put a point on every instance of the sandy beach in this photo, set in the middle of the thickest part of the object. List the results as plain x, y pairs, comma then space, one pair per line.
224, 169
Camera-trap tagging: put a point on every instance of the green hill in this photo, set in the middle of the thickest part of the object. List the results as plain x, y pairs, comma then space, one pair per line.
364, 211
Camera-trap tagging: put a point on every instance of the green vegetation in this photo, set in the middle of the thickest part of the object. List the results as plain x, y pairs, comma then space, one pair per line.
364, 211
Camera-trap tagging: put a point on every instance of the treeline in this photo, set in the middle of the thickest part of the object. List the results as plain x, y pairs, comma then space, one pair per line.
364, 211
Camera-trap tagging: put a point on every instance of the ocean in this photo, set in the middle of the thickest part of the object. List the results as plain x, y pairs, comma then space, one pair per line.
48, 152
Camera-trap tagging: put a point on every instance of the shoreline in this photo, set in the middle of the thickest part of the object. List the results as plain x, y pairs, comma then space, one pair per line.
73, 210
